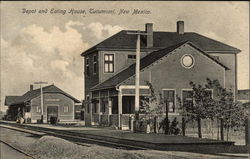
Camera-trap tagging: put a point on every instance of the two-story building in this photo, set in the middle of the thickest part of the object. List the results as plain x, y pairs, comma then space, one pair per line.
169, 61
56, 103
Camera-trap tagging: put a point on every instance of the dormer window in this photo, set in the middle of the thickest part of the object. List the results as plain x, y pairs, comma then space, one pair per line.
108, 63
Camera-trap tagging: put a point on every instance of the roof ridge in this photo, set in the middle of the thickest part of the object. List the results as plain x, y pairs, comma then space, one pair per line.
101, 42
121, 40
216, 41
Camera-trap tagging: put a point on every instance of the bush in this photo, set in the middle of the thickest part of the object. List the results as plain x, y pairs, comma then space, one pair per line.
163, 124
174, 129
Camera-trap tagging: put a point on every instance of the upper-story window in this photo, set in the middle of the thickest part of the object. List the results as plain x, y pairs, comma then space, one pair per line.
108, 63
94, 64
131, 56
87, 66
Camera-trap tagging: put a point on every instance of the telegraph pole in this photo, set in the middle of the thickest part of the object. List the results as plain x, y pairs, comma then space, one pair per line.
137, 75
40, 83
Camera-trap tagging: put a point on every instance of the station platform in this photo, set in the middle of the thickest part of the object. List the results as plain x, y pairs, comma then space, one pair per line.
156, 141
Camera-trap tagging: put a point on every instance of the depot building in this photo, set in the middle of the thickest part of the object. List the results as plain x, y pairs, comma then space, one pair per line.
56, 104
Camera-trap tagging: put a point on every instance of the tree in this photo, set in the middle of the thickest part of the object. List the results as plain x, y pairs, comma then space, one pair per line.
151, 106
230, 113
200, 107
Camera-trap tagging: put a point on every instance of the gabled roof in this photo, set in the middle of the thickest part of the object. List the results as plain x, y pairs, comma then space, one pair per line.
161, 40
37, 92
145, 62
11, 99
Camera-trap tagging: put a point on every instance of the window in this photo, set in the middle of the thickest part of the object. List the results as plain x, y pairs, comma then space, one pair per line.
169, 98
108, 63
65, 109
187, 61
94, 64
38, 109
209, 93
187, 97
132, 56
87, 66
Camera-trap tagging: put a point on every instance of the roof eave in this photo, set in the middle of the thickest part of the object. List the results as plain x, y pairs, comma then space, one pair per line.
119, 49
224, 51
95, 88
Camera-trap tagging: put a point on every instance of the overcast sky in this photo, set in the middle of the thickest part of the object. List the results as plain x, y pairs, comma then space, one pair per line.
47, 47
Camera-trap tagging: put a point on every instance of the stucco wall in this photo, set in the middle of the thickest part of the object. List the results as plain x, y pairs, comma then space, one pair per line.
92, 79
53, 99
168, 73
231, 75
121, 61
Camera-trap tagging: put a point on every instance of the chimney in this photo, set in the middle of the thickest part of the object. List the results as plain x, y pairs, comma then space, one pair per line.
149, 30
180, 27
31, 87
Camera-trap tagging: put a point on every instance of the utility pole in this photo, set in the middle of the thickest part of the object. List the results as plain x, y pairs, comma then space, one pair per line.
40, 83
137, 74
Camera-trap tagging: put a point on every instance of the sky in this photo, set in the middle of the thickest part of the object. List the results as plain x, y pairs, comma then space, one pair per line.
47, 46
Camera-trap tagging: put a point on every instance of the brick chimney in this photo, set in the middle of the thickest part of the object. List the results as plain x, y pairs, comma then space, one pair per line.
31, 87
180, 27
149, 30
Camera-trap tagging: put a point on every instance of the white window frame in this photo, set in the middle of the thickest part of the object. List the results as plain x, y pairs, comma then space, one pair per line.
189, 89
170, 89
38, 109
105, 61
192, 57
65, 109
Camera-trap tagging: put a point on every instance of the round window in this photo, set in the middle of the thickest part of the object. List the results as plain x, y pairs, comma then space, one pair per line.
187, 61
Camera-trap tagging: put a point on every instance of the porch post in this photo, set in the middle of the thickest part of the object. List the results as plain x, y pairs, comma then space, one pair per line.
91, 110
99, 108
109, 109
110, 105
119, 109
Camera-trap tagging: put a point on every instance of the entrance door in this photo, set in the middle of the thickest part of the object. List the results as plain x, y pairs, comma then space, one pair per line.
52, 111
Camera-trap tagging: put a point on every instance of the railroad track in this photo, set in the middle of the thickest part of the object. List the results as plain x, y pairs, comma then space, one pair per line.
80, 140
17, 149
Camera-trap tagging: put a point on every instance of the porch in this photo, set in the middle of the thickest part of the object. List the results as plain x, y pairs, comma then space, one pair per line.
113, 107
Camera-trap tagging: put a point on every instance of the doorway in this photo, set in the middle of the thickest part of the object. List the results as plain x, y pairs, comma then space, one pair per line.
52, 111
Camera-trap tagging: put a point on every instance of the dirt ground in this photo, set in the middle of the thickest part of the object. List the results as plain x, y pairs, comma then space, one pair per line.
48, 147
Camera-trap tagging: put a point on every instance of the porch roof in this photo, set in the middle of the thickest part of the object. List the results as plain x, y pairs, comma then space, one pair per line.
145, 62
